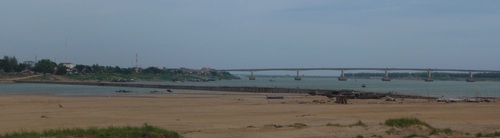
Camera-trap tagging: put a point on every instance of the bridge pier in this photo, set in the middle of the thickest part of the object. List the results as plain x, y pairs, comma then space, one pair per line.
298, 78
429, 77
386, 77
342, 77
471, 78
251, 77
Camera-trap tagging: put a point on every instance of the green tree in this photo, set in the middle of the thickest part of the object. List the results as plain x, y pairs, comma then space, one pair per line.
61, 70
21, 67
45, 66
9, 64
152, 70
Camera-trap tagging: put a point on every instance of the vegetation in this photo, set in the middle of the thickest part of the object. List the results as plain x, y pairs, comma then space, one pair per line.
273, 125
107, 73
407, 122
436, 131
359, 123
45, 66
336, 124
494, 134
298, 125
404, 122
146, 131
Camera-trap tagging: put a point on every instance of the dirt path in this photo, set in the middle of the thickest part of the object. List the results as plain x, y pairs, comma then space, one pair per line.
11, 80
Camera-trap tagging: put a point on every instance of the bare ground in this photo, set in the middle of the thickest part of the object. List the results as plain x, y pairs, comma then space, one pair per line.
223, 114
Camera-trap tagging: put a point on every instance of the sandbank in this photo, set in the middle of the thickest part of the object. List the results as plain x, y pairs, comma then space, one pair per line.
236, 114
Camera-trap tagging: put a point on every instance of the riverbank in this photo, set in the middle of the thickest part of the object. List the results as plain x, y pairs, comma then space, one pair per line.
353, 94
236, 114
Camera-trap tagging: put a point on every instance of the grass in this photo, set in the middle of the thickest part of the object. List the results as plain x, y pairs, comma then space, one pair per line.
494, 134
405, 122
437, 131
359, 123
146, 131
273, 125
336, 125
298, 125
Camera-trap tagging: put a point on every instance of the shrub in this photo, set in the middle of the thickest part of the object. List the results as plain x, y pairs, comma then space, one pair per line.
405, 122
359, 123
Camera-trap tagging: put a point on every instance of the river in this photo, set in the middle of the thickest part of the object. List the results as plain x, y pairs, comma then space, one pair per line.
415, 87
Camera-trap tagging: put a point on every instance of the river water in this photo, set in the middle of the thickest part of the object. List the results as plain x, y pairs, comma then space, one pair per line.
416, 87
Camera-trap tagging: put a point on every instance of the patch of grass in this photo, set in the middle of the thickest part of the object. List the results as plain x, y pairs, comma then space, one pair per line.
298, 125
94, 132
405, 122
359, 136
391, 131
437, 131
336, 124
273, 125
359, 123
494, 134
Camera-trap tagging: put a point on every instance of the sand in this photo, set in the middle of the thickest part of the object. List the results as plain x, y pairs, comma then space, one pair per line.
225, 115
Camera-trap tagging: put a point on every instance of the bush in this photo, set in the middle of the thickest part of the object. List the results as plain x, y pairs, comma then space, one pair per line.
405, 122
359, 123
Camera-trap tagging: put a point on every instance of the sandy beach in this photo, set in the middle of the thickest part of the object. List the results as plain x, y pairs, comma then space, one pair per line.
226, 114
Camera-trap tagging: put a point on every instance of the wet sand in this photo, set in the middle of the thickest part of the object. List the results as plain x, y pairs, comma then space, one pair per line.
224, 114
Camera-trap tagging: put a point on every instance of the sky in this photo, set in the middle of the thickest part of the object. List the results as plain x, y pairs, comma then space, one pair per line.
233, 34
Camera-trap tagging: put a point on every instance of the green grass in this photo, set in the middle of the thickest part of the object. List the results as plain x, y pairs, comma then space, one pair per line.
336, 125
146, 131
494, 134
405, 122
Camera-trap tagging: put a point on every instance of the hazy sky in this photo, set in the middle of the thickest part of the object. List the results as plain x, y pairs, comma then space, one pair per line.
227, 34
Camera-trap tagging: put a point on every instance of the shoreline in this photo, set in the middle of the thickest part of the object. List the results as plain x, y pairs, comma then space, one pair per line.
353, 94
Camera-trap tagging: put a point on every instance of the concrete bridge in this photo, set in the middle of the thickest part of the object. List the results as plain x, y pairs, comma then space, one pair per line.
385, 78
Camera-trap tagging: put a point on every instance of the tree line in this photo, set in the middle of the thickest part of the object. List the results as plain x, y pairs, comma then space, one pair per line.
10, 65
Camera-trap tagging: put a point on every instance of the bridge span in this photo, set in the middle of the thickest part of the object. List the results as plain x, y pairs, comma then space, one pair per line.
386, 70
